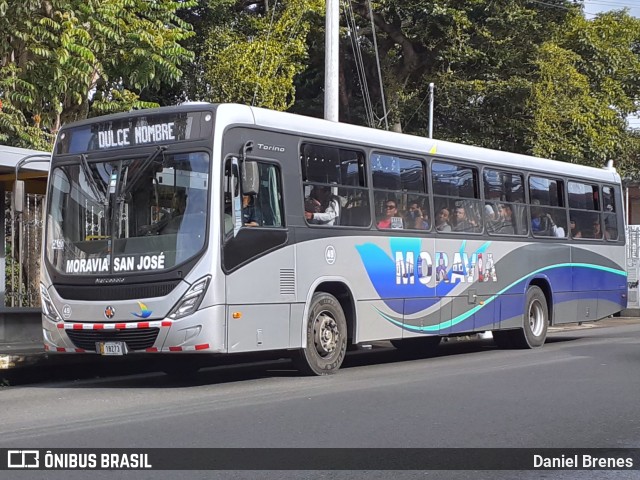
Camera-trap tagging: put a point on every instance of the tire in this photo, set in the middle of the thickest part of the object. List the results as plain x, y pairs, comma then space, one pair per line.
419, 345
326, 332
536, 321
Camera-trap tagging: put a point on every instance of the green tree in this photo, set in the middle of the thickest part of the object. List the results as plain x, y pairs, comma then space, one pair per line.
63, 60
17, 127
254, 51
586, 88
478, 53
529, 77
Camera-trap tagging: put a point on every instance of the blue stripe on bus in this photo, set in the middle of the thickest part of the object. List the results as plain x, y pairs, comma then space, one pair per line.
606, 276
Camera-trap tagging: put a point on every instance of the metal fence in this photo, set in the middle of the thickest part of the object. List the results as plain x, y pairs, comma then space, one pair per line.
633, 265
23, 246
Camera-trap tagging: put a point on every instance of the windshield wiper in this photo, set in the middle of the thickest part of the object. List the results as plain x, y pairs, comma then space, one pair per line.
145, 163
100, 196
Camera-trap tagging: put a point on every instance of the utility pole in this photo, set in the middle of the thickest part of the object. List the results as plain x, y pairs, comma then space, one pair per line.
331, 61
431, 110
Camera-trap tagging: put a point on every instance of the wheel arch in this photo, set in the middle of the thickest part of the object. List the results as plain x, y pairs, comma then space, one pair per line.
341, 291
543, 284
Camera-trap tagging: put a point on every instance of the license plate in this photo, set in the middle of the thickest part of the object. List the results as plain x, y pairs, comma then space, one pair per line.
111, 348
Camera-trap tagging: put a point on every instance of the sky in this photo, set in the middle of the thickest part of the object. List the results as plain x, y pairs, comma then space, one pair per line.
591, 7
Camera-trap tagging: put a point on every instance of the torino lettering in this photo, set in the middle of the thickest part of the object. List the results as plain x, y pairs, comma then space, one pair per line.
465, 268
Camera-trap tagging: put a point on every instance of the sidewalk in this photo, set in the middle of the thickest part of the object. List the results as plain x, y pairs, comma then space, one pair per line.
15, 355
605, 322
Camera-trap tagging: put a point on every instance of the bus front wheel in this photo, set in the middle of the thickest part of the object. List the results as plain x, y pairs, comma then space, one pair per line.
326, 332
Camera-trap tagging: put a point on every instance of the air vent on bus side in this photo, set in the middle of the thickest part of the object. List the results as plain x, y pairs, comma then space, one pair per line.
287, 281
116, 292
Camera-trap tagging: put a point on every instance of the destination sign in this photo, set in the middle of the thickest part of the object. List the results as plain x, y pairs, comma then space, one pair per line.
144, 134
143, 129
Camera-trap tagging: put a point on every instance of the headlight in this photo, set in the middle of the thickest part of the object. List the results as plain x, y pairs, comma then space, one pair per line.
191, 300
48, 308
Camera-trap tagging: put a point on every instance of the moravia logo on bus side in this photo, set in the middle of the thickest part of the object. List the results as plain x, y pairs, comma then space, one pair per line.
409, 272
477, 267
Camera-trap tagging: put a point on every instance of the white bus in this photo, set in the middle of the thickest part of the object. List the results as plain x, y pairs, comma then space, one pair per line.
221, 229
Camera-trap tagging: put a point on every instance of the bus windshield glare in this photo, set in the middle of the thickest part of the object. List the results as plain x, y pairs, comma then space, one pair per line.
127, 215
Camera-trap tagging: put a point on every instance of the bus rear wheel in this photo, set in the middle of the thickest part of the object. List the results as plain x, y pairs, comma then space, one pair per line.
326, 333
536, 320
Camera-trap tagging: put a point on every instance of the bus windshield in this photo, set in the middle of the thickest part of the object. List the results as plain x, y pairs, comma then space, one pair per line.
128, 215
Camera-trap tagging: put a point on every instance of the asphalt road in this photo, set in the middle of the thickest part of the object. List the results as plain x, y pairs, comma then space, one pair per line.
580, 390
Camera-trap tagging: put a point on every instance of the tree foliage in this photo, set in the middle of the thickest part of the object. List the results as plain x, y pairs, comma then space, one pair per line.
253, 56
587, 86
63, 60
528, 77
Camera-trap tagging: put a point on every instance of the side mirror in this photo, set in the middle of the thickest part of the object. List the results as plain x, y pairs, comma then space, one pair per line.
250, 178
19, 196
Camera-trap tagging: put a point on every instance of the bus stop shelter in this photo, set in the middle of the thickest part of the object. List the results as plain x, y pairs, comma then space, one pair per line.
20, 320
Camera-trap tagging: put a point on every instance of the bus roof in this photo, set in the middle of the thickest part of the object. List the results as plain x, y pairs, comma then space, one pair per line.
420, 145
234, 114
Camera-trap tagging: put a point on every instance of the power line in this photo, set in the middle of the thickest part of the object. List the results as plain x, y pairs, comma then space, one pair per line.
375, 46
357, 53
264, 55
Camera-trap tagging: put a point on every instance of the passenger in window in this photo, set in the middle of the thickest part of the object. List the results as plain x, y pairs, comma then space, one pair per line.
610, 229
494, 199
170, 221
540, 222
442, 220
416, 217
556, 230
322, 207
462, 221
491, 213
575, 232
391, 219
597, 231
178, 203
250, 215
503, 224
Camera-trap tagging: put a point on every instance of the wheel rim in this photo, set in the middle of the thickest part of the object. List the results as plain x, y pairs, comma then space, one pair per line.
536, 318
326, 334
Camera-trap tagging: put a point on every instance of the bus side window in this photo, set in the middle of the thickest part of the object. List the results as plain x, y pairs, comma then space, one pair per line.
334, 186
265, 208
356, 210
227, 217
610, 216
